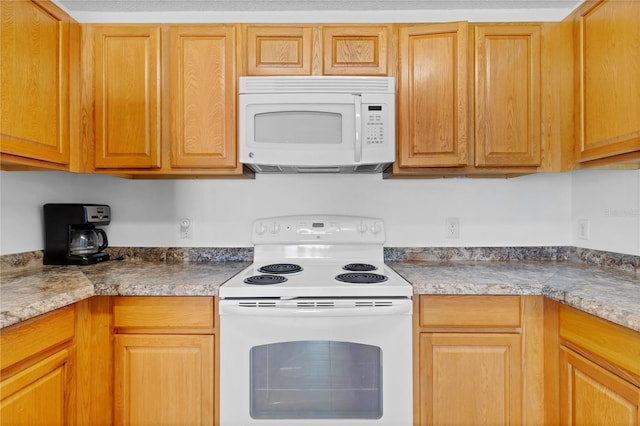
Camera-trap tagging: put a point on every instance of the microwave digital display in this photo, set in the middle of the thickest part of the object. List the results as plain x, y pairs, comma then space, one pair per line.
375, 107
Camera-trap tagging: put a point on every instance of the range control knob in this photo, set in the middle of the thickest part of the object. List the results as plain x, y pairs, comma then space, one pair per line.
261, 228
361, 228
376, 228
274, 228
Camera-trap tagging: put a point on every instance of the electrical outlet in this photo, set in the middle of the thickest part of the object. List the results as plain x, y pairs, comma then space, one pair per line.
453, 227
186, 227
583, 229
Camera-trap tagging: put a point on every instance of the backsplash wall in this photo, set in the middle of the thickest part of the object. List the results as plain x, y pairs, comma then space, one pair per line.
535, 210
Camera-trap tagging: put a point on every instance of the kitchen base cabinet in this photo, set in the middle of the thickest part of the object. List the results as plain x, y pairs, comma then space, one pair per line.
164, 360
37, 381
599, 370
471, 378
592, 395
469, 357
164, 379
38, 395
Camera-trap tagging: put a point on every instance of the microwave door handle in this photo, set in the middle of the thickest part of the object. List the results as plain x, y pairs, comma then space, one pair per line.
358, 110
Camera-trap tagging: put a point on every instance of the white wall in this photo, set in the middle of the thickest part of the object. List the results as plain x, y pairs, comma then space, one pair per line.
609, 202
541, 209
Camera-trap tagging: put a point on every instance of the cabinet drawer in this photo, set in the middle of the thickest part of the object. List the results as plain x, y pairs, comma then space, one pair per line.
165, 312
36, 335
612, 342
470, 311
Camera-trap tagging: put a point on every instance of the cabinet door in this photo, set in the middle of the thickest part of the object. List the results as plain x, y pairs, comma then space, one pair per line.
432, 99
164, 379
38, 395
608, 73
127, 104
470, 378
34, 87
203, 101
278, 50
355, 50
507, 96
590, 394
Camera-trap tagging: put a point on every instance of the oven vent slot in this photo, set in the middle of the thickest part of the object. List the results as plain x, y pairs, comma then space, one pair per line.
261, 304
373, 303
315, 304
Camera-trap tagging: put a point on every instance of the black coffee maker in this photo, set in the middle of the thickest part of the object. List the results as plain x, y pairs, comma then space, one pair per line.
71, 236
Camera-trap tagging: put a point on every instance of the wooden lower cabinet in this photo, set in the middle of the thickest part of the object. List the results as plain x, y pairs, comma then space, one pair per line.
40, 394
164, 360
592, 395
164, 379
599, 370
470, 379
469, 360
37, 385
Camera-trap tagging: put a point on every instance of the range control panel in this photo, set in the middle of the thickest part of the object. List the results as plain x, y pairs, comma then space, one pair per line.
328, 229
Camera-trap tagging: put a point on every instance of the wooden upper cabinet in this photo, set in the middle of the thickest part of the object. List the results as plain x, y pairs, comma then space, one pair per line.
355, 50
608, 77
507, 95
127, 96
316, 50
34, 88
203, 97
433, 95
278, 50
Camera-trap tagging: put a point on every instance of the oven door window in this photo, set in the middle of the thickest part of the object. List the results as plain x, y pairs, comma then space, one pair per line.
316, 380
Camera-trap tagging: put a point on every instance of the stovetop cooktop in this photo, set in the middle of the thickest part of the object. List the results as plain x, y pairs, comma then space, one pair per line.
317, 279
317, 256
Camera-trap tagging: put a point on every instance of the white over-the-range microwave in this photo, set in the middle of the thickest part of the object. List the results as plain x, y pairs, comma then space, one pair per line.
317, 124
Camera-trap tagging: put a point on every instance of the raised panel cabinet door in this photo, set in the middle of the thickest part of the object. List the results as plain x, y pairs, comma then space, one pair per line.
507, 96
608, 71
591, 395
127, 104
164, 379
470, 379
34, 85
203, 101
355, 50
279, 50
433, 95
38, 395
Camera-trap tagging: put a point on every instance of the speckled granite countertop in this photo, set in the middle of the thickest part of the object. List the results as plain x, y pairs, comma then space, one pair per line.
35, 291
609, 294
30, 291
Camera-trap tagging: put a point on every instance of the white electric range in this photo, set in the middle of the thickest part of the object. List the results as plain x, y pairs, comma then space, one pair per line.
317, 331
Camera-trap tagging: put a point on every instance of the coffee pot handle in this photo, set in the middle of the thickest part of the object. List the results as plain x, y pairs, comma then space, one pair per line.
105, 241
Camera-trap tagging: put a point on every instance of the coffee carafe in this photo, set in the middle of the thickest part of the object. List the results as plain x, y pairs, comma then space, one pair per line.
87, 241
72, 236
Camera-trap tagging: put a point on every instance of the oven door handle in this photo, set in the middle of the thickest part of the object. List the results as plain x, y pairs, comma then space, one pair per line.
302, 312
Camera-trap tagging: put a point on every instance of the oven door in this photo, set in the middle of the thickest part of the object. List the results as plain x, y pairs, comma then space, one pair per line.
315, 362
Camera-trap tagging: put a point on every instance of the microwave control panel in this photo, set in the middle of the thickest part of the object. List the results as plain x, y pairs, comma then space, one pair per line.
374, 119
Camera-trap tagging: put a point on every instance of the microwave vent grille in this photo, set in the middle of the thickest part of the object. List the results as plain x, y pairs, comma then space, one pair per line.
317, 84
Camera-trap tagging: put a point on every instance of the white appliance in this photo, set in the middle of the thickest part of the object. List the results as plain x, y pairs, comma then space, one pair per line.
317, 331
317, 124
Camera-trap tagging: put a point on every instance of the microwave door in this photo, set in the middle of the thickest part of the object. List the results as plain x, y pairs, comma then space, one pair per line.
300, 129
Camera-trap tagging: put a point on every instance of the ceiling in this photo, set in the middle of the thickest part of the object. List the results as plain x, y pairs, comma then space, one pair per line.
338, 11
305, 5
